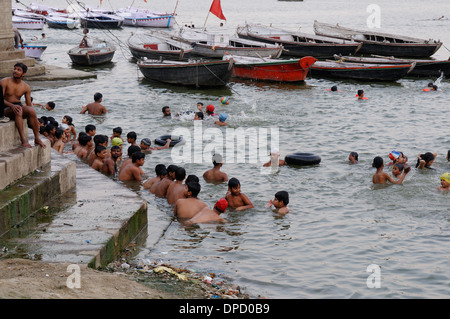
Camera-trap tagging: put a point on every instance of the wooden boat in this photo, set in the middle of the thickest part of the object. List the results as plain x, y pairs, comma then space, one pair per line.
27, 24
43, 9
191, 73
99, 53
33, 51
298, 44
58, 20
216, 45
136, 17
264, 69
381, 43
423, 68
100, 19
360, 71
153, 45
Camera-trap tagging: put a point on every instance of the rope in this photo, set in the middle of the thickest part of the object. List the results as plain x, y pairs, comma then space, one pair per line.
220, 79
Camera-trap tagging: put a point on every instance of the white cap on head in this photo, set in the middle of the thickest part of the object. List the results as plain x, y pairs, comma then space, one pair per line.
274, 151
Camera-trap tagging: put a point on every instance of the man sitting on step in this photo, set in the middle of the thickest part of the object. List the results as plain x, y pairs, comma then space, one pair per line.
13, 88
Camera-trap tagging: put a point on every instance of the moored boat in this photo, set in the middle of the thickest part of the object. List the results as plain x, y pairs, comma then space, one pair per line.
155, 45
298, 44
190, 73
360, 71
277, 70
218, 44
27, 23
136, 17
100, 53
381, 43
423, 68
58, 20
33, 51
100, 19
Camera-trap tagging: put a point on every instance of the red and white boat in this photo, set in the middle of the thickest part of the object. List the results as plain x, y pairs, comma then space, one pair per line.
27, 23
136, 17
33, 51
278, 70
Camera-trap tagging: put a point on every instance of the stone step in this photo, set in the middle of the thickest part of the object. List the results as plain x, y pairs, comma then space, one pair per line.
7, 67
29, 194
12, 54
19, 161
94, 222
9, 136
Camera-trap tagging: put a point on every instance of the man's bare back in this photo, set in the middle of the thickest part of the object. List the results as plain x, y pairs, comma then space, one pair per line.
188, 207
94, 108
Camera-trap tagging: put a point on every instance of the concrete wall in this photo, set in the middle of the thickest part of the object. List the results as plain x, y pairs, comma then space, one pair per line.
6, 31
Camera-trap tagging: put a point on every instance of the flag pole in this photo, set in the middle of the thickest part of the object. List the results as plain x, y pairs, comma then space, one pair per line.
206, 20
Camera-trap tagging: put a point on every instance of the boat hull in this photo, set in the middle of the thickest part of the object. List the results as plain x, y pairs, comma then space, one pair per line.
294, 70
90, 56
219, 51
33, 51
72, 24
201, 74
152, 22
28, 24
303, 49
100, 24
155, 54
362, 73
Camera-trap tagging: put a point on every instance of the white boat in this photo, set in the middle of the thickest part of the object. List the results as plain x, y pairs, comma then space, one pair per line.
33, 51
62, 21
102, 19
136, 17
217, 44
27, 23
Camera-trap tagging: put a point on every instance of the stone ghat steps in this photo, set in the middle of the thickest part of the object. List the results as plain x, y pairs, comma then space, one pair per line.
9, 58
97, 220
17, 161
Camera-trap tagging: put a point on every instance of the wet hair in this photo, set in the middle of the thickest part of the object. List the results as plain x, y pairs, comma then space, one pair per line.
171, 168
282, 196
200, 103
435, 87
69, 120
97, 96
115, 147
355, 155
84, 139
377, 162
427, 157
448, 155
137, 156
200, 115
49, 127
22, 66
194, 188
360, 92
159, 168
51, 105
399, 166
89, 127
133, 149
334, 88
233, 182
117, 130
192, 178
58, 133
180, 174
132, 135
165, 108
99, 148
430, 84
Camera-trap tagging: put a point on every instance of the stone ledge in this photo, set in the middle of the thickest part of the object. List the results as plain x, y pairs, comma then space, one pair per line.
9, 136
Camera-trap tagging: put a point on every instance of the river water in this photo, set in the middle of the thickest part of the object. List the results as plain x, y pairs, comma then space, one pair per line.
340, 227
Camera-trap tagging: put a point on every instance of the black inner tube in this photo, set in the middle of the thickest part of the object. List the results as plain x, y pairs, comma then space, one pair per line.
302, 159
162, 140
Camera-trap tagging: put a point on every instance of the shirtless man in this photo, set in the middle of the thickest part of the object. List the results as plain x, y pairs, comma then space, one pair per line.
85, 148
13, 89
215, 174
190, 205
110, 165
176, 190
207, 215
133, 171
95, 108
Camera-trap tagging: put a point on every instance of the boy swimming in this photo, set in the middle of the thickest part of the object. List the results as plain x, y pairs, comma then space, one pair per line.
237, 200
445, 182
207, 215
280, 202
381, 177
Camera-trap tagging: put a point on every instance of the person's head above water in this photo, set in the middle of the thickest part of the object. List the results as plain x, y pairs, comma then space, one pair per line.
377, 162
223, 117
334, 88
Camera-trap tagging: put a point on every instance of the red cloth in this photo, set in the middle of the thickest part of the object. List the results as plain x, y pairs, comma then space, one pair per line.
216, 9
222, 204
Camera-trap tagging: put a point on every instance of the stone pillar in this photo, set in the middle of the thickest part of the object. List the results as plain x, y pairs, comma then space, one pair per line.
6, 32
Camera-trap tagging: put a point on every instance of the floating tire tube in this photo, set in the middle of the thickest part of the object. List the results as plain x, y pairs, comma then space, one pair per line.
302, 159
175, 139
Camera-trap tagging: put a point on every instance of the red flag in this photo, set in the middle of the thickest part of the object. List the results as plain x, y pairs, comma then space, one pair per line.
216, 9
